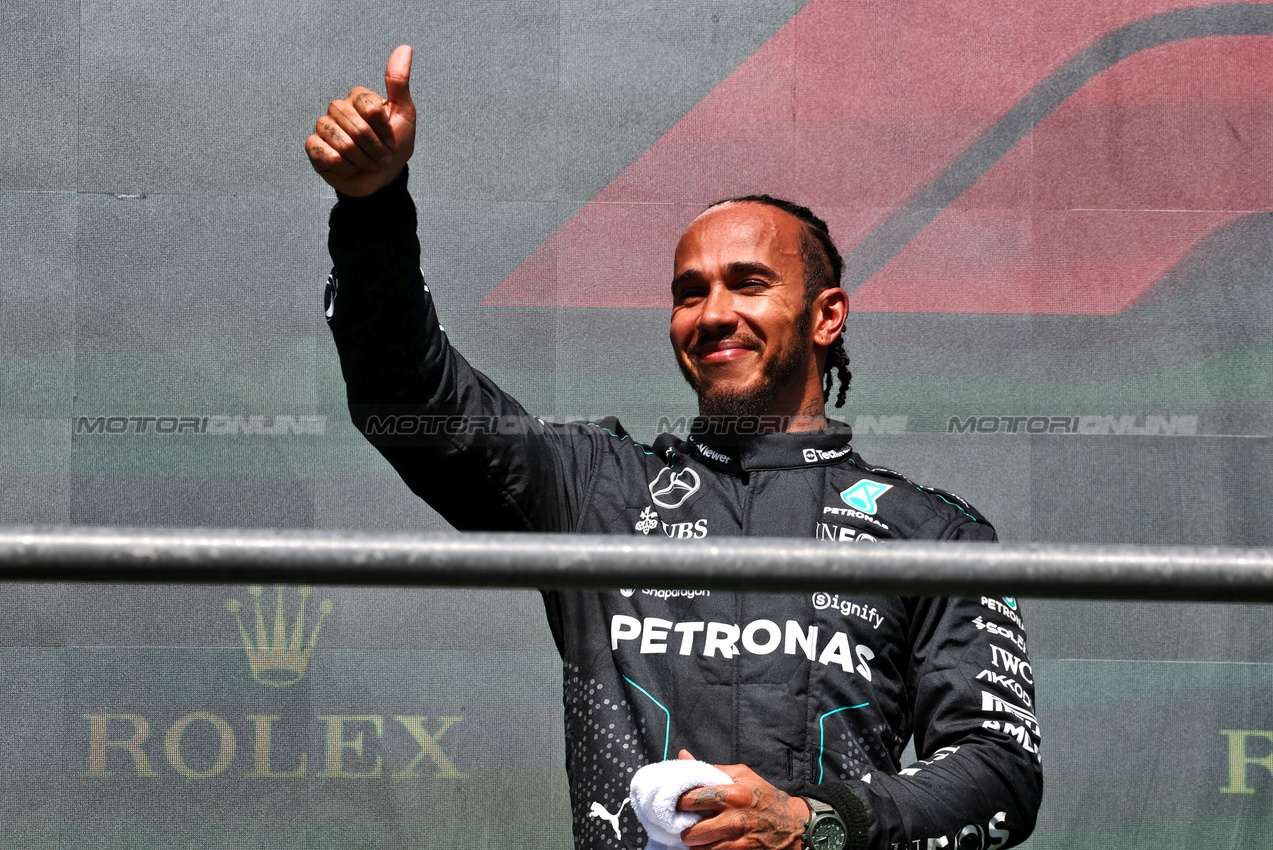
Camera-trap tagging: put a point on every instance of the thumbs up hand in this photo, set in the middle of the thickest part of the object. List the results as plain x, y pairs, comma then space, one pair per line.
363, 142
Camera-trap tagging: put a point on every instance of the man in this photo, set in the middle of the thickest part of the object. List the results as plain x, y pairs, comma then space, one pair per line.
809, 701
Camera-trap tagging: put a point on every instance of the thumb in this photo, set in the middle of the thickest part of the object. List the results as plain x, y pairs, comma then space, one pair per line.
398, 77
684, 755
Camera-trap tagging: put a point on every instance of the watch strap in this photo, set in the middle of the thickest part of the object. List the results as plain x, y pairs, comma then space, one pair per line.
851, 808
820, 813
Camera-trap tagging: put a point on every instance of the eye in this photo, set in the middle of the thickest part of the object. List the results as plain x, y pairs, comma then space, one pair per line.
687, 294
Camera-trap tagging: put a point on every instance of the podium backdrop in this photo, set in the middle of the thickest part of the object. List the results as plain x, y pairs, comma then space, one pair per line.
1056, 221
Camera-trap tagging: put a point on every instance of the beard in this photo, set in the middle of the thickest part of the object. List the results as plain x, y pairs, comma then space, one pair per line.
787, 363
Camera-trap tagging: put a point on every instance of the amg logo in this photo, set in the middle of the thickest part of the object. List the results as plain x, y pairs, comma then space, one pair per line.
1132, 426
1021, 734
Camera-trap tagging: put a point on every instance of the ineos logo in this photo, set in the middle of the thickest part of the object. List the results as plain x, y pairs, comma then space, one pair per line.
671, 489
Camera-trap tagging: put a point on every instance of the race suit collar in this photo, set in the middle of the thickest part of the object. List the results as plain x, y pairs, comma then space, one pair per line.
740, 452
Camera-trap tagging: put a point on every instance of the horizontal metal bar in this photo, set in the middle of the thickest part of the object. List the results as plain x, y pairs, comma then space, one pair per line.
202, 556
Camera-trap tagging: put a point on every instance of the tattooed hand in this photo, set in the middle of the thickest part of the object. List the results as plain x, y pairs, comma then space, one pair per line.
362, 143
751, 814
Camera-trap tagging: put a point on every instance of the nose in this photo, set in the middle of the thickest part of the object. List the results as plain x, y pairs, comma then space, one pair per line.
716, 314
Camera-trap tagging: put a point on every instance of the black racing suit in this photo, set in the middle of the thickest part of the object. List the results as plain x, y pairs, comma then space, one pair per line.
816, 693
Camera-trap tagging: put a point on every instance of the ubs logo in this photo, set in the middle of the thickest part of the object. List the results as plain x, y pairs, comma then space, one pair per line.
671, 489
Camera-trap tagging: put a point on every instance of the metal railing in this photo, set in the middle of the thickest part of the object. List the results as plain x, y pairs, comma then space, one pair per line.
201, 556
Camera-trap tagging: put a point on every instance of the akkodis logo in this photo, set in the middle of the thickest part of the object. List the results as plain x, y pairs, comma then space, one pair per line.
862, 495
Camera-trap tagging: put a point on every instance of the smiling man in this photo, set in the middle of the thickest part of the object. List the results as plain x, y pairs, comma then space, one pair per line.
806, 702
758, 312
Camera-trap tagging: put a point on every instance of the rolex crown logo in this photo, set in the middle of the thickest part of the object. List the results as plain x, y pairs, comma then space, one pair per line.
277, 658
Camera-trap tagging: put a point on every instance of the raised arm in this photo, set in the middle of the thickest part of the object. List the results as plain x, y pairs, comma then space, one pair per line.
462, 444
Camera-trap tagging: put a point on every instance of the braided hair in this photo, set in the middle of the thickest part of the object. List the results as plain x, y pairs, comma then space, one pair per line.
822, 269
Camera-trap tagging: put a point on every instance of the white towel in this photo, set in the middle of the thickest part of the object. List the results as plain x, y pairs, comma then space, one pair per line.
656, 789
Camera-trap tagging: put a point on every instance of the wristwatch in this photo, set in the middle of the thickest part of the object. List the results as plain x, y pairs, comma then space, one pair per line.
826, 830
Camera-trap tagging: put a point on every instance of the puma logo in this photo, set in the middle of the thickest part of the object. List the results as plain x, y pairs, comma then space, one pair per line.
599, 811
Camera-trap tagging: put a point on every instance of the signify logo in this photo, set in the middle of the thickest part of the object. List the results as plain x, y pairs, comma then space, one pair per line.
278, 638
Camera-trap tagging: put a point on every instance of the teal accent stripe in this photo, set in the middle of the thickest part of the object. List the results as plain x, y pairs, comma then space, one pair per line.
822, 737
952, 504
642, 448
667, 730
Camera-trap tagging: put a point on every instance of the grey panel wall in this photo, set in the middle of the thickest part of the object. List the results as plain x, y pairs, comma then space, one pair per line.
163, 256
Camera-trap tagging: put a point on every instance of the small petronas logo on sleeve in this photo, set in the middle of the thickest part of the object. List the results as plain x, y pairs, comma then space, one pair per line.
862, 495
277, 658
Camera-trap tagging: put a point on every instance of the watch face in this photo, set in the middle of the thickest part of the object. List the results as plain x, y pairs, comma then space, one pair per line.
829, 835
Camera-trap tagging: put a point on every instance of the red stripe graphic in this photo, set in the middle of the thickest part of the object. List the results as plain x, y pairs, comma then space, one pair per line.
855, 107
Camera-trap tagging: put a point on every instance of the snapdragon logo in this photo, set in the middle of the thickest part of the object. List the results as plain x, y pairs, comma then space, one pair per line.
629, 592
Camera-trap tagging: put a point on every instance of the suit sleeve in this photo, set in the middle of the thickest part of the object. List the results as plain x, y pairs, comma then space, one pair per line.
459, 442
978, 782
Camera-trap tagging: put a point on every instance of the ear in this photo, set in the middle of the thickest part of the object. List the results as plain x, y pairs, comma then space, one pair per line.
830, 309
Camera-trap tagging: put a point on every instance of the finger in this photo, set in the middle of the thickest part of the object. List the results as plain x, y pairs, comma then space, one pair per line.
325, 159
375, 111
340, 142
727, 826
398, 79
712, 798
352, 122
739, 771
684, 755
